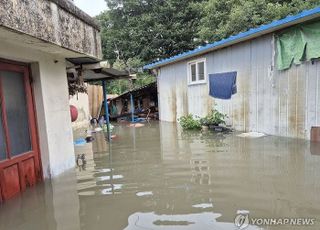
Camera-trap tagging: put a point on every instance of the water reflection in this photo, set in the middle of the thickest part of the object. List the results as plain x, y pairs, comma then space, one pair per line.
167, 172
52, 205
159, 177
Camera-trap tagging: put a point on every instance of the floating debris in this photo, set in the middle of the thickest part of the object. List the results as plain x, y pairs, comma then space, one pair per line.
89, 139
98, 129
204, 205
136, 125
252, 135
81, 160
149, 193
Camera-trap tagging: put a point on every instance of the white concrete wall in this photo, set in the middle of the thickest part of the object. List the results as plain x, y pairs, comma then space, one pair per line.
52, 106
282, 103
81, 102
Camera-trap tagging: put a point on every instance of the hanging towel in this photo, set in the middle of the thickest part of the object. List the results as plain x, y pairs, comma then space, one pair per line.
223, 85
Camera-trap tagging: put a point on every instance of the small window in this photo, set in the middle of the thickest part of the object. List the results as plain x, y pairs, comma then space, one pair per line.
193, 73
197, 71
201, 71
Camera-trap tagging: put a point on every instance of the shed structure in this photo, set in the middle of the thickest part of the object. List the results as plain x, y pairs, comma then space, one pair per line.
144, 102
268, 100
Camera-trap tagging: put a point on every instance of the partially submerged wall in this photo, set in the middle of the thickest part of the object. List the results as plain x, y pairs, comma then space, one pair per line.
283, 103
44, 33
56, 21
50, 91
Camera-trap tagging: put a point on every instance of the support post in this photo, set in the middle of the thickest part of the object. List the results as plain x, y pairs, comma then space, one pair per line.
106, 108
132, 107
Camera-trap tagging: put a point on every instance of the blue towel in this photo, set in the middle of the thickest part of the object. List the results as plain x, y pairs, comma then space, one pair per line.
223, 85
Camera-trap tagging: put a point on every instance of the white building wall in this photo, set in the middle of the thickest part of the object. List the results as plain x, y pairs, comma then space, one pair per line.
52, 106
167, 92
283, 103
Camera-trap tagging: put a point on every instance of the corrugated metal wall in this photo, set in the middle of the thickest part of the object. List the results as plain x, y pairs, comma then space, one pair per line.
283, 103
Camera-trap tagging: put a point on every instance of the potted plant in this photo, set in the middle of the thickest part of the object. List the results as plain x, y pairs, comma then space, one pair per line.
215, 119
204, 123
189, 122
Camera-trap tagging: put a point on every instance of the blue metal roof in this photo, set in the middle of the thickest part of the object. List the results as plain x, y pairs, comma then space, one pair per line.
252, 33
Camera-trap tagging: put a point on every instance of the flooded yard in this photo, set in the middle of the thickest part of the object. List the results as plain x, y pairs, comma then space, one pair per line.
158, 177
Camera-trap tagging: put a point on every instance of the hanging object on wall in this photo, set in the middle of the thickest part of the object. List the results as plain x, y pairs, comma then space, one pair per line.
223, 85
75, 82
298, 44
73, 113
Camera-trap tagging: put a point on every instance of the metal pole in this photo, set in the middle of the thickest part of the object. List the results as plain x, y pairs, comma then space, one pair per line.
132, 108
106, 108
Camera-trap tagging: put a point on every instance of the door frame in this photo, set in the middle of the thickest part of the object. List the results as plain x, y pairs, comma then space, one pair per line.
40, 176
8, 65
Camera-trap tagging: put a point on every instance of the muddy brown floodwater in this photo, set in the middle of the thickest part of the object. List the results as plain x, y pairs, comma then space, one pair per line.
157, 177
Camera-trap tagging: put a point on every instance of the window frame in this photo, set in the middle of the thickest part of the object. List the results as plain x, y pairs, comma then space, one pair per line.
196, 63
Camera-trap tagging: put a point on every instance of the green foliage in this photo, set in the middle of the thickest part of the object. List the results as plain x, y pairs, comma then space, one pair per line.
119, 64
216, 118
149, 29
204, 121
189, 122
124, 85
143, 79
136, 32
213, 118
223, 18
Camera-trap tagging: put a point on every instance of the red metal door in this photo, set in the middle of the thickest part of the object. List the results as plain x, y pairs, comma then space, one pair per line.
19, 155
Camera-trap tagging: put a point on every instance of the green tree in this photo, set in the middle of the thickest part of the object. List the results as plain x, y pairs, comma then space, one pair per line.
223, 18
149, 29
136, 32
132, 65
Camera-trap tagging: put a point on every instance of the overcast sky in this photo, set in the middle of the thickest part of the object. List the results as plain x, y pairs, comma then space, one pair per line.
91, 7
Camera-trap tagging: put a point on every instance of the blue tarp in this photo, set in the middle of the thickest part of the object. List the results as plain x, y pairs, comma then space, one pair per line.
223, 85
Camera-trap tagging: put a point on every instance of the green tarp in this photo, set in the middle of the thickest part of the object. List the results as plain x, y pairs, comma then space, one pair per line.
297, 44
